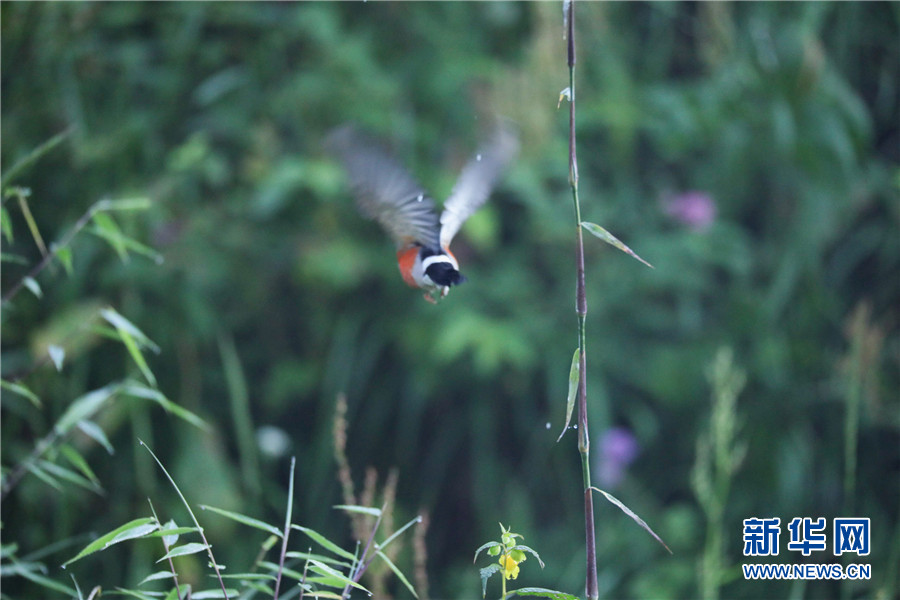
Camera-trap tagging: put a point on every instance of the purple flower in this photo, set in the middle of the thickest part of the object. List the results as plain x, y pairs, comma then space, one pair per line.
696, 210
618, 449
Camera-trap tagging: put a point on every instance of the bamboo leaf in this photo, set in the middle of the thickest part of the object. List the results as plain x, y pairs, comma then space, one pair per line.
574, 377
631, 514
353, 508
183, 550
33, 156
93, 431
325, 542
243, 519
57, 355
139, 203
107, 229
115, 319
156, 576
609, 238
24, 570
33, 286
214, 593
139, 390
6, 224
18, 388
85, 406
135, 594
130, 530
394, 535
80, 463
133, 339
64, 255
333, 574
397, 572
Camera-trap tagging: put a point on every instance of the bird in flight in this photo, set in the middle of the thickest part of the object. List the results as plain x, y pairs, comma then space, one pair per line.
386, 193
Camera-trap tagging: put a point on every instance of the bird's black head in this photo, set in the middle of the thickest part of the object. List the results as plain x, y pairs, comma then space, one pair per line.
443, 274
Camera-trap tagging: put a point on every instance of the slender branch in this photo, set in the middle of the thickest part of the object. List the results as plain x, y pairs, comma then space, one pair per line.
55, 248
12, 480
590, 585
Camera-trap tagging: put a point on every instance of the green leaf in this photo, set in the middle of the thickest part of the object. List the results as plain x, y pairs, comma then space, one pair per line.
250, 576
33, 157
13, 258
183, 550
243, 519
79, 463
133, 529
64, 255
140, 203
353, 508
325, 542
156, 576
214, 593
524, 548
33, 286
85, 407
170, 532
126, 243
323, 569
631, 514
107, 229
18, 388
394, 535
57, 355
93, 431
574, 378
133, 338
397, 572
544, 593
320, 557
486, 573
485, 547
135, 594
28, 571
609, 238
6, 224
139, 390
38, 472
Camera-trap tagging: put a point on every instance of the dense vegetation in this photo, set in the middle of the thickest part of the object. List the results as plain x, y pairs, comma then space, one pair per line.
749, 151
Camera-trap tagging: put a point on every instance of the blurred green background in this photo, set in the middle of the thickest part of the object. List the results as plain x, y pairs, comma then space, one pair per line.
749, 151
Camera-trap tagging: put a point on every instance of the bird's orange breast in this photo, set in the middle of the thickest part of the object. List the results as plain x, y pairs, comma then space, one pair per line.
406, 258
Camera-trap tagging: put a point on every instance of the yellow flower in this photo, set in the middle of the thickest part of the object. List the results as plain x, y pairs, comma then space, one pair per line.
509, 566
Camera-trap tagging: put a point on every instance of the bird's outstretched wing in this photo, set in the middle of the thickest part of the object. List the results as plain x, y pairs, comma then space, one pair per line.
477, 180
384, 191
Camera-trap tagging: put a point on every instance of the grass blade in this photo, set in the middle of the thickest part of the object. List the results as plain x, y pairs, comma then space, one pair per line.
574, 376
132, 529
609, 238
631, 514
250, 521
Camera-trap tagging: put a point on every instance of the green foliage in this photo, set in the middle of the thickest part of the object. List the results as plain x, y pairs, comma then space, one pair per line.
784, 115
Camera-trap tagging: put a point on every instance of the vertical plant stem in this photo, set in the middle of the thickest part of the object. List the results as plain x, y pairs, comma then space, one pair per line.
584, 444
287, 528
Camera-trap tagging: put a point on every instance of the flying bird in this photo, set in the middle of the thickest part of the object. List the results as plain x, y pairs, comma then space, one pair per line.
386, 193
